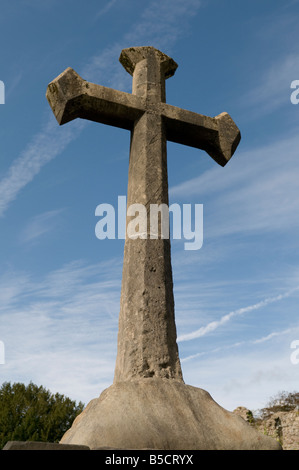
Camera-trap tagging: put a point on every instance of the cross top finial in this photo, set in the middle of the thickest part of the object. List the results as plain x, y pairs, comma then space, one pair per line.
149, 68
130, 57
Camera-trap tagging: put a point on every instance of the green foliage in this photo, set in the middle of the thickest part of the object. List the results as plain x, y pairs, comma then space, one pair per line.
249, 417
33, 413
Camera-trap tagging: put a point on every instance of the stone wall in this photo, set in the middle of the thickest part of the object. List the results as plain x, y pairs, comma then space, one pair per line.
282, 425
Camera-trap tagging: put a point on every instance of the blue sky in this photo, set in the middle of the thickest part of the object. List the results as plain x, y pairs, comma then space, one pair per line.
237, 297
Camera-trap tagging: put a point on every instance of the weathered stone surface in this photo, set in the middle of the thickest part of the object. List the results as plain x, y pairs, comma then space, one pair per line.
147, 333
245, 413
281, 425
149, 406
35, 445
162, 414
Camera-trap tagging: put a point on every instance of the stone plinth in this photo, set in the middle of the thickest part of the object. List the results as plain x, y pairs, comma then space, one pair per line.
162, 414
36, 445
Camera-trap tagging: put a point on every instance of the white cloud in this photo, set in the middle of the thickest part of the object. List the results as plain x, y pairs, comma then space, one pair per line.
44, 146
12, 85
240, 375
164, 22
105, 8
221, 349
61, 330
226, 318
257, 191
273, 90
40, 225
271, 336
12, 284
161, 23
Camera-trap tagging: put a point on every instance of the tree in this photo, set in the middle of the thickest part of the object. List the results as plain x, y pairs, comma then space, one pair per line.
33, 413
283, 401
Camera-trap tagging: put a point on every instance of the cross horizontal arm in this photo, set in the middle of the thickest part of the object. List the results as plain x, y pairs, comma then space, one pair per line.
71, 97
218, 136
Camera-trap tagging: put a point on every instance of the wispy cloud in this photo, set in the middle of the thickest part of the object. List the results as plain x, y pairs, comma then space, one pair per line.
270, 336
226, 318
45, 146
164, 22
161, 23
40, 225
273, 90
238, 344
12, 85
245, 373
62, 327
257, 191
105, 9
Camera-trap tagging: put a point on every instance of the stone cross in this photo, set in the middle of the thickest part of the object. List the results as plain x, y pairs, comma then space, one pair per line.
147, 345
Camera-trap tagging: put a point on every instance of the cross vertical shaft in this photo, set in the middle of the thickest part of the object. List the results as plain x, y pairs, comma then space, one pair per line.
155, 414
147, 333
147, 344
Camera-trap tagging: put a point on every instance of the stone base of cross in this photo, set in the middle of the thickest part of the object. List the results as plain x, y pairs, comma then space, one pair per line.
149, 406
